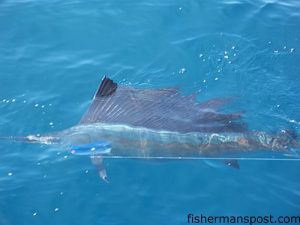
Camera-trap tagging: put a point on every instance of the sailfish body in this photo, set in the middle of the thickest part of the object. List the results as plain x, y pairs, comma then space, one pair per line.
159, 123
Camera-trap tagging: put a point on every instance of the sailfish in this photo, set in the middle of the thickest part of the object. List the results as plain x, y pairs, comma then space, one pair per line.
130, 122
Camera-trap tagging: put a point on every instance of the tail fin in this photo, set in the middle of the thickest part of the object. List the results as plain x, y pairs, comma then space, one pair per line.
288, 139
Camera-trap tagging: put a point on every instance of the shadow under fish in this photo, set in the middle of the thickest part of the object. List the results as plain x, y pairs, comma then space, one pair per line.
127, 122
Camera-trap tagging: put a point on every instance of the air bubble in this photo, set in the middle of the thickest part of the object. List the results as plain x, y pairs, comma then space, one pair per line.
182, 71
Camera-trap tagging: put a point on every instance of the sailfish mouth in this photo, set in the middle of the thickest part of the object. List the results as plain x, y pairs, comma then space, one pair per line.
42, 139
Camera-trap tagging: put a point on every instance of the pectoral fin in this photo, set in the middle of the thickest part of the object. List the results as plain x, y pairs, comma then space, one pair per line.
98, 162
232, 163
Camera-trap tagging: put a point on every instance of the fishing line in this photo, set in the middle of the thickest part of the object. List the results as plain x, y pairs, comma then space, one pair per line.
202, 158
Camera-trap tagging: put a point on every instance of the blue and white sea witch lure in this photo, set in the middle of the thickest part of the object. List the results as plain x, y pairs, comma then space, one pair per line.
161, 123
95, 148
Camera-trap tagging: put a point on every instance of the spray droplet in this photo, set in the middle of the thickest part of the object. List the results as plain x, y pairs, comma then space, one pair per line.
182, 71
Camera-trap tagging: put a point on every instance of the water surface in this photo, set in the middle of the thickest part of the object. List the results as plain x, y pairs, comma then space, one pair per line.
52, 57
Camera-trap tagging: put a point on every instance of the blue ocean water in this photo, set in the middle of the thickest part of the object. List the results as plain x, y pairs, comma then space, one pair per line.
53, 55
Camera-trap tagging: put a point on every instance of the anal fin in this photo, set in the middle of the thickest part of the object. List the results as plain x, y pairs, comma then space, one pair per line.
98, 162
232, 163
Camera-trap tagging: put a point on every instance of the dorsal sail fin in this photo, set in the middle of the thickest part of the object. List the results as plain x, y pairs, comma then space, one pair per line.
106, 88
215, 103
159, 109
